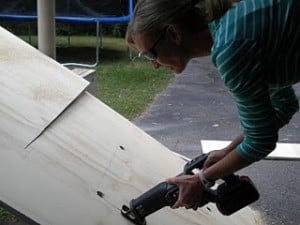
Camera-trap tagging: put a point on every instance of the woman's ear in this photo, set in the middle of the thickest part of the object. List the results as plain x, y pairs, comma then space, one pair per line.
175, 34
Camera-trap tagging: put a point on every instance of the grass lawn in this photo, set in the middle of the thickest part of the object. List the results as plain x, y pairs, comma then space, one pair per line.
6, 217
128, 86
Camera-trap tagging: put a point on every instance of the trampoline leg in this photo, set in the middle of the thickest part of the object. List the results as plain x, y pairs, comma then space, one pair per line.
101, 40
98, 42
29, 33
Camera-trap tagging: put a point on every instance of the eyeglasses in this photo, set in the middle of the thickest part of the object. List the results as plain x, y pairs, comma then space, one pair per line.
151, 54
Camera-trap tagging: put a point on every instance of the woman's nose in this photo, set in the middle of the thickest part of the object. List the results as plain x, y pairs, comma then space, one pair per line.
155, 64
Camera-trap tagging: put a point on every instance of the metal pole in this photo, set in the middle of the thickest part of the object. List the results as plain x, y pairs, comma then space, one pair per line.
46, 27
98, 33
29, 32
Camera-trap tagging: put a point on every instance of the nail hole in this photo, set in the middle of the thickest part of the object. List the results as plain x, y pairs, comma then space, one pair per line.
100, 194
122, 148
208, 209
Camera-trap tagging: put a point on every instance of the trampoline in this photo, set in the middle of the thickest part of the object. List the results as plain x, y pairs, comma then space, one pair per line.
72, 12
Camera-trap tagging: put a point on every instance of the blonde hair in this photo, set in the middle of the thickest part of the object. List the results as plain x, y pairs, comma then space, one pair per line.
152, 16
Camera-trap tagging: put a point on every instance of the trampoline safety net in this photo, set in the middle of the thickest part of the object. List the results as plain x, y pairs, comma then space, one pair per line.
68, 8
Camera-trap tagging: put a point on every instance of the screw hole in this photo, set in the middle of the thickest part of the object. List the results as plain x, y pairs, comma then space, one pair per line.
100, 194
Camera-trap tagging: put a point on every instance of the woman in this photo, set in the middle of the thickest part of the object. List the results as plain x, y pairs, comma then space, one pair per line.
255, 46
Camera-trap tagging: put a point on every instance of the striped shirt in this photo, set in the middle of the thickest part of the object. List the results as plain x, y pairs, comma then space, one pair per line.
256, 49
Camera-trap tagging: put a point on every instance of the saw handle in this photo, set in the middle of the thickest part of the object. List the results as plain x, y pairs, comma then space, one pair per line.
195, 163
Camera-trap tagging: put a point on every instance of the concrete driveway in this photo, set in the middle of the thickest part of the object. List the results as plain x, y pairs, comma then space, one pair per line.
196, 106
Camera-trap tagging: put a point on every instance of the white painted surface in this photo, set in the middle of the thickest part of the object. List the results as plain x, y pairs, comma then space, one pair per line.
283, 150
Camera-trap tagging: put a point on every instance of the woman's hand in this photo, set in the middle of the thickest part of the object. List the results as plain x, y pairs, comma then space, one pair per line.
190, 191
190, 187
213, 157
217, 155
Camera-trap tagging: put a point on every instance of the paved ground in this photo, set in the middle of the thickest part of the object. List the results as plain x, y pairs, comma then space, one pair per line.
197, 106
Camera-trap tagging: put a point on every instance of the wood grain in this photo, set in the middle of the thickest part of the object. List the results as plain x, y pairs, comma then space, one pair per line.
34, 88
56, 180
87, 149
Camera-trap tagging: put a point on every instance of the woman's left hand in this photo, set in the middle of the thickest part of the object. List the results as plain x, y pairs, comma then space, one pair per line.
190, 191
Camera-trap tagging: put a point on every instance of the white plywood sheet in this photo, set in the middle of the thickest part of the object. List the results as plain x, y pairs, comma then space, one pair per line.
283, 151
87, 148
55, 180
34, 89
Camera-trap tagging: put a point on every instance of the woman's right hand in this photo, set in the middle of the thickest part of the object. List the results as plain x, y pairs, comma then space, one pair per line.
213, 157
217, 155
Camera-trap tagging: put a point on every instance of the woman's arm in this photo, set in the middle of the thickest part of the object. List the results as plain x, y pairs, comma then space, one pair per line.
238, 140
231, 163
190, 186
217, 155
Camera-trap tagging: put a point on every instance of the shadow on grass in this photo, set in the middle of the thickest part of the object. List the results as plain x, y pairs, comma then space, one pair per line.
88, 54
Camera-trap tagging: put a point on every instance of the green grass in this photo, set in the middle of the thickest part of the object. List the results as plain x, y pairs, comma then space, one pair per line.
129, 87
6, 217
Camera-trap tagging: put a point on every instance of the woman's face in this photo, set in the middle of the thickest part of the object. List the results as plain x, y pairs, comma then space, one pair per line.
164, 50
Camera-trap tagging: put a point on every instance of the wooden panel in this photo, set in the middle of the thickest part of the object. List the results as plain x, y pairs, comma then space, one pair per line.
34, 89
91, 148
91, 76
88, 148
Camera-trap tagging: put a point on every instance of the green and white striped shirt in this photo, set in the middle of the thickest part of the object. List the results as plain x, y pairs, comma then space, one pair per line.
256, 49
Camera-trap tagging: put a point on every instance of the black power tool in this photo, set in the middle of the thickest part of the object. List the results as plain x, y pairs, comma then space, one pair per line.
230, 196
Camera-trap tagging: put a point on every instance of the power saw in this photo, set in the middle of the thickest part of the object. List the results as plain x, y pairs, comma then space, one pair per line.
231, 195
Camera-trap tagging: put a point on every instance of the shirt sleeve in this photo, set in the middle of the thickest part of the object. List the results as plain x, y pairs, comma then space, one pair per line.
285, 103
240, 67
